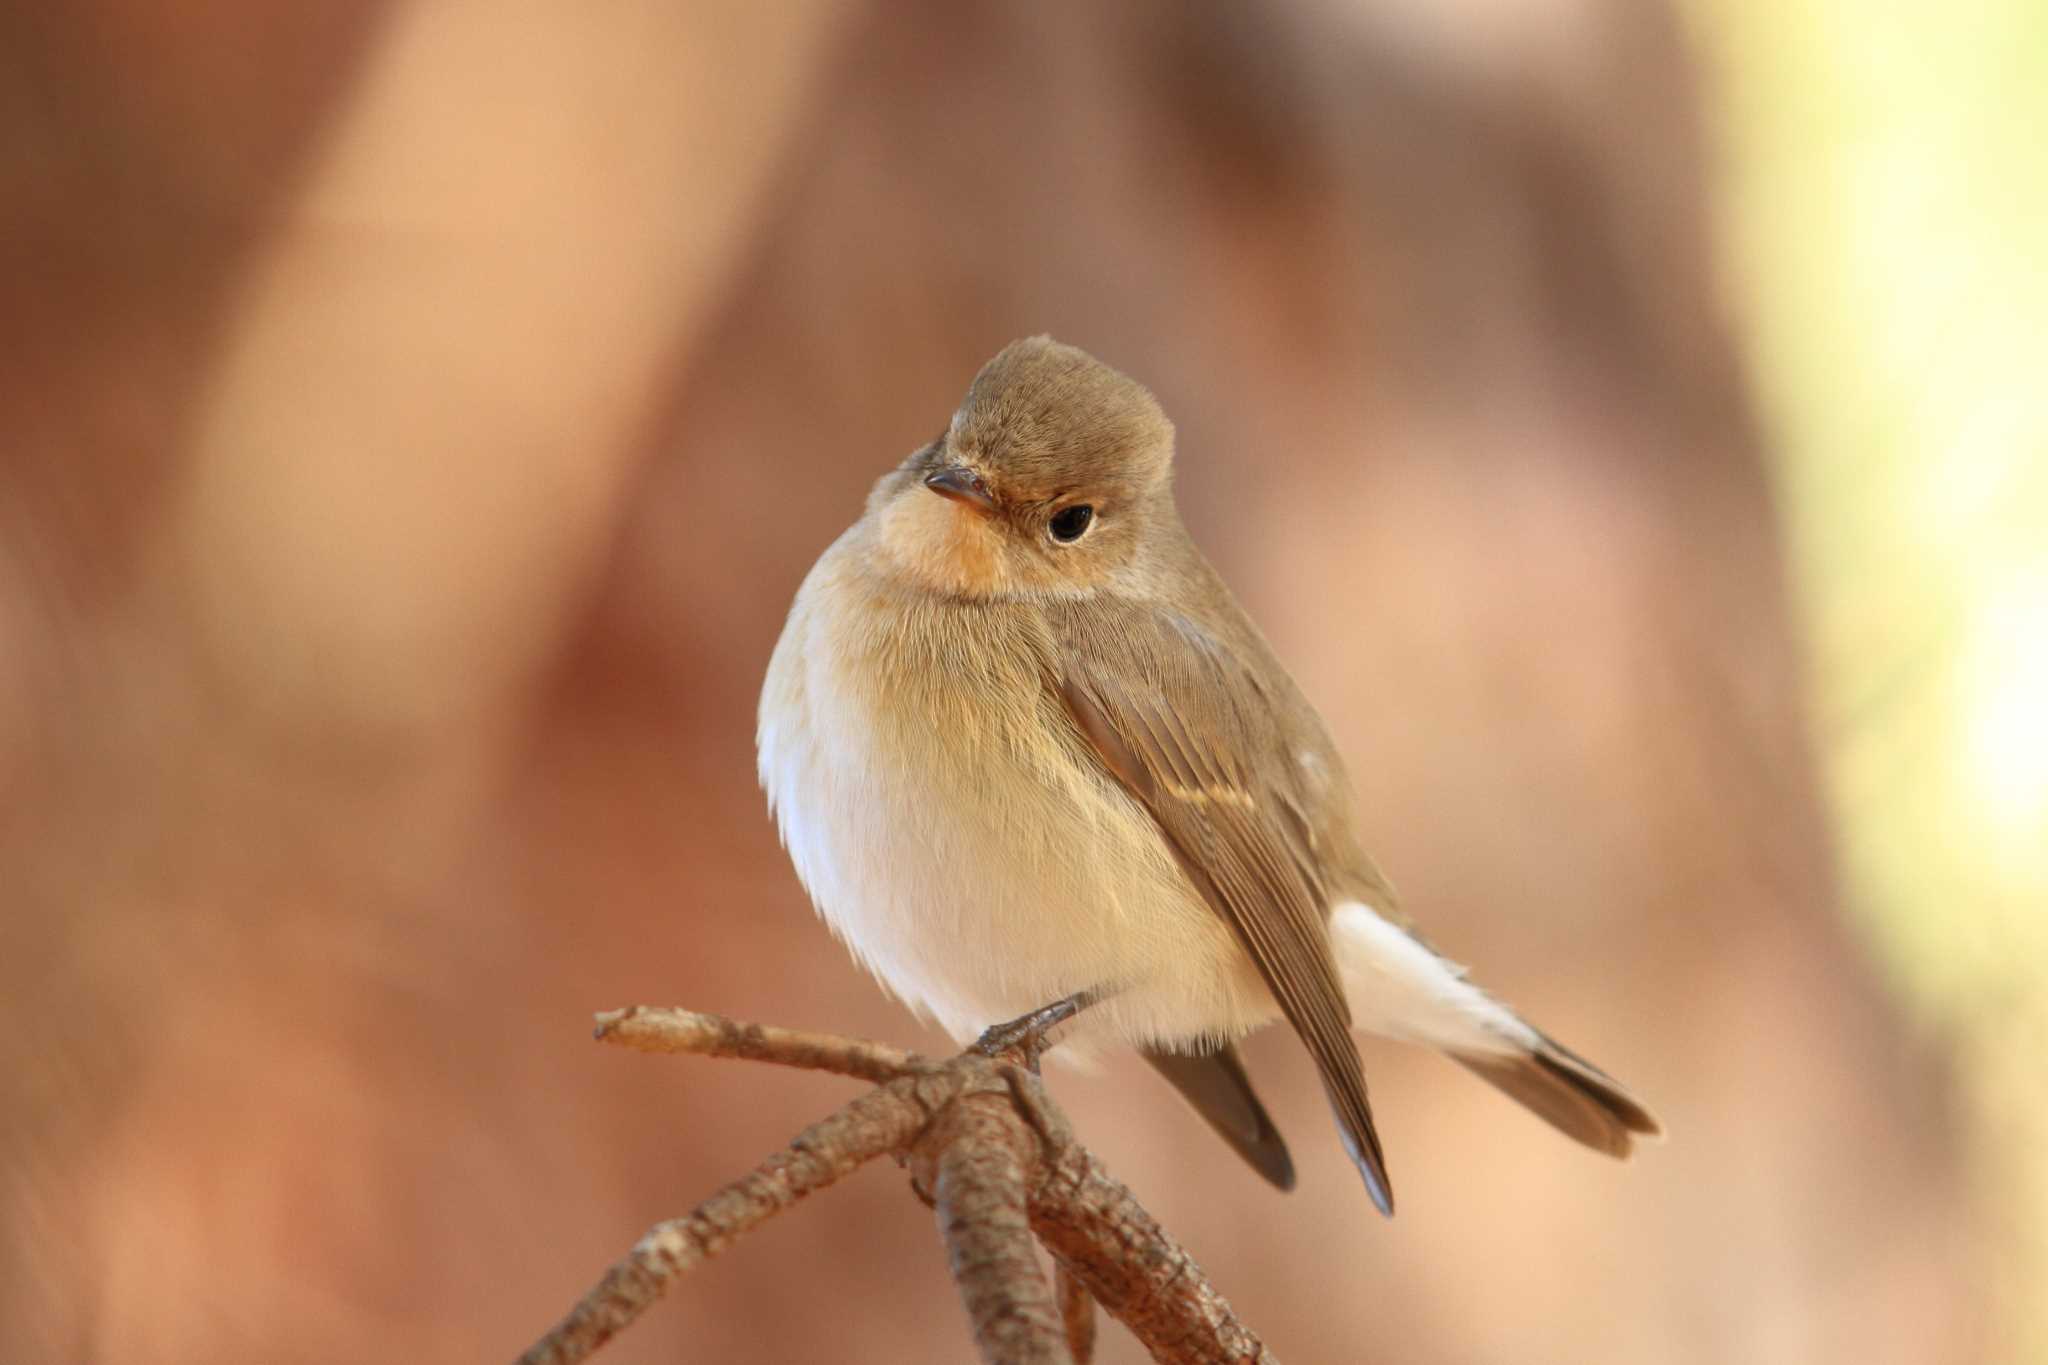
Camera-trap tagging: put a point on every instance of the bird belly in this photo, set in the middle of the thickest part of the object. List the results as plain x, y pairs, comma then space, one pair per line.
951, 833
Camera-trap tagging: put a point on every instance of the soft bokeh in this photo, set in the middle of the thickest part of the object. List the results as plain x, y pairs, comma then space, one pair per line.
1887, 205
416, 417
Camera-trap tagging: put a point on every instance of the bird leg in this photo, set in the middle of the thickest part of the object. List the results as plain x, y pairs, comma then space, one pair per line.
1027, 1034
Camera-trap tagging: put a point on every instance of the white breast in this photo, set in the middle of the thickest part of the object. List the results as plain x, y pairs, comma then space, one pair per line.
973, 861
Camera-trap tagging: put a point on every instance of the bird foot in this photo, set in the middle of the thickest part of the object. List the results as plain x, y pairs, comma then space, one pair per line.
1028, 1035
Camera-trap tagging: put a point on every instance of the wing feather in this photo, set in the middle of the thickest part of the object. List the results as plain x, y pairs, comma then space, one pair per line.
1189, 733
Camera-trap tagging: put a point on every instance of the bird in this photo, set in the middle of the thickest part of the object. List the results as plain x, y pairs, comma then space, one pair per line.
1038, 769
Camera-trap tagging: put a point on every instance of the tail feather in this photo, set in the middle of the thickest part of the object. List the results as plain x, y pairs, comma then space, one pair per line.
1402, 988
1215, 1083
1569, 1093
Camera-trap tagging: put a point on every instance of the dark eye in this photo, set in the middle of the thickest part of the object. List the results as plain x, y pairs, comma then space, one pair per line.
1069, 522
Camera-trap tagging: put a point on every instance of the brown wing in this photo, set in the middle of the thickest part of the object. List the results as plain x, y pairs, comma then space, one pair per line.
1188, 728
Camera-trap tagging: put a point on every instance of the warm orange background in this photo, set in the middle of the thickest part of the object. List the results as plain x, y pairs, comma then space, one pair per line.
414, 421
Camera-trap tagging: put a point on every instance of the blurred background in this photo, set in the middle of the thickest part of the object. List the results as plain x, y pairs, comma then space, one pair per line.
416, 417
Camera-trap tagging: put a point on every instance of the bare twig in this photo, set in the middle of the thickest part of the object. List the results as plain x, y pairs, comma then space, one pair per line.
1077, 1312
974, 1160
996, 1159
653, 1028
880, 1121
1134, 1268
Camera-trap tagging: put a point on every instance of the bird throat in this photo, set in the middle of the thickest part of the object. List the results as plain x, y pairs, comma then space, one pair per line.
943, 545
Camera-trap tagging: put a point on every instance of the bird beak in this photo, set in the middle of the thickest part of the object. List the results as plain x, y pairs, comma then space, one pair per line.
961, 484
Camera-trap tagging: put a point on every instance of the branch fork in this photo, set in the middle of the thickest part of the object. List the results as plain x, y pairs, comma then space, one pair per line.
994, 1157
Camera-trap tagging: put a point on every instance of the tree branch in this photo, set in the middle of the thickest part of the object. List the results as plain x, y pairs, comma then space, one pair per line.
998, 1162
975, 1161
1135, 1269
649, 1028
1077, 1312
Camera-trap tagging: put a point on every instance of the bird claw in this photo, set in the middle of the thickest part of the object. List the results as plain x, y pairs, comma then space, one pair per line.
1028, 1034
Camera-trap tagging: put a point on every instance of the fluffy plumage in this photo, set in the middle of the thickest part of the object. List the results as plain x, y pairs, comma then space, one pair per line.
1012, 764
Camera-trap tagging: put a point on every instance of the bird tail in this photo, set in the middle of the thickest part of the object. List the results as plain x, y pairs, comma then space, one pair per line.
1216, 1084
1569, 1093
1402, 988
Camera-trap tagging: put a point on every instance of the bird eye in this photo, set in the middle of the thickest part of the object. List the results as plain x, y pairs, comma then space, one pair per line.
1069, 522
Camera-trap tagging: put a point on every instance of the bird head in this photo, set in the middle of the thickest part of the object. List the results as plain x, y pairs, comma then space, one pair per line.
1045, 483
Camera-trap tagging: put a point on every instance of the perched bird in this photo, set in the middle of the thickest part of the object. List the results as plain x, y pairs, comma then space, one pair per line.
1033, 761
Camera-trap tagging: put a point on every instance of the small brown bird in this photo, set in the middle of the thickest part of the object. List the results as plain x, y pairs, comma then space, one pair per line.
1033, 761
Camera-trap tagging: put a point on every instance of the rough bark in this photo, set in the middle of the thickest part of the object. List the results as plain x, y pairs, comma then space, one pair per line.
998, 1162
